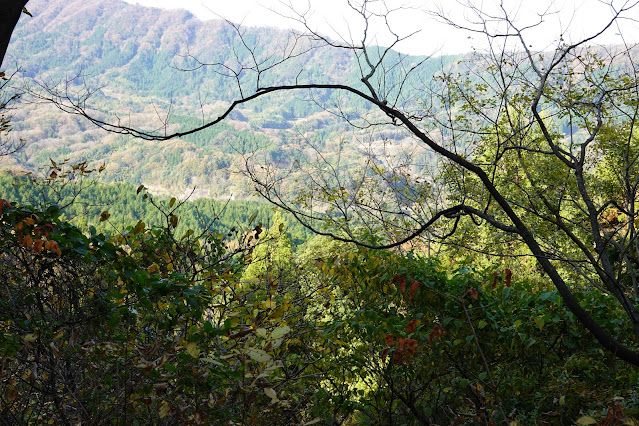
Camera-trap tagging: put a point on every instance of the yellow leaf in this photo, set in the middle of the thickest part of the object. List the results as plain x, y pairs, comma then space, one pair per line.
268, 304
192, 349
586, 420
163, 409
139, 227
32, 337
153, 268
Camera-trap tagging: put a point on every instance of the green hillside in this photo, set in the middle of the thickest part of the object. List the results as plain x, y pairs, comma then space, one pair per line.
134, 59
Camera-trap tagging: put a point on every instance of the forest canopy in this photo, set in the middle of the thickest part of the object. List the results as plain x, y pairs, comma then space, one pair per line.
484, 272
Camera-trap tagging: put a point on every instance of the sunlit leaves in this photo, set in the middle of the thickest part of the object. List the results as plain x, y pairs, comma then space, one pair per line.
258, 355
280, 332
271, 394
192, 349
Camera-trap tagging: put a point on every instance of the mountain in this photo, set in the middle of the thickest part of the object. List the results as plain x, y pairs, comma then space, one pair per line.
134, 58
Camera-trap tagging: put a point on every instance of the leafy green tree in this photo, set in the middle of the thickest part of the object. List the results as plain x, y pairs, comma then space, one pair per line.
513, 104
487, 128
272, 258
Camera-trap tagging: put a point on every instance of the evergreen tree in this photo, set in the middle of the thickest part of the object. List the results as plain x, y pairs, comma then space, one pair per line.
273, 256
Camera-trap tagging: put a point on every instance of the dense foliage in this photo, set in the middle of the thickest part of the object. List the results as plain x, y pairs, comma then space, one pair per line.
152, 326
83, 201
119, 307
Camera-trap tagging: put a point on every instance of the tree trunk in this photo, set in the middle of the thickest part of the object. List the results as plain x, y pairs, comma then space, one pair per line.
11, 12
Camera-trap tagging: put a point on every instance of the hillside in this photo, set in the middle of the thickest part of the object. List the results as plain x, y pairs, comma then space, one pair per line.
132, 55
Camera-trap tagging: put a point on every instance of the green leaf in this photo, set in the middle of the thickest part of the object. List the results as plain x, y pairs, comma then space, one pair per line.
139, 227
482, 324
252, 218
259, 355
26, 12
280, 331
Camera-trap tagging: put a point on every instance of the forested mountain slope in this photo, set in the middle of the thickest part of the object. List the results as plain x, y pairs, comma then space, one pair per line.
132, 54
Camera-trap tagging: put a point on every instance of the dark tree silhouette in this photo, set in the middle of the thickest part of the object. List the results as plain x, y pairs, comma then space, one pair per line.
11, 12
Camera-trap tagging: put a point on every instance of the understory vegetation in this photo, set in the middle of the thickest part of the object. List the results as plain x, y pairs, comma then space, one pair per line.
155, 326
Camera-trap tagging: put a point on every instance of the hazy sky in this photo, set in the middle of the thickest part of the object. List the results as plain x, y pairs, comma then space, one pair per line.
334, 18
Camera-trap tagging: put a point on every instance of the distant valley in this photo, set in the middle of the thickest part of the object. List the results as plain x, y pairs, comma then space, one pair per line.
132, 54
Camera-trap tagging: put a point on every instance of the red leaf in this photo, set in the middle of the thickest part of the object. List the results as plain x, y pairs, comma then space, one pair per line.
2, 203
413, 289
508, 275
410, 327
37, 246
385, 354
438, 331
389, 340
495, 276
473, 293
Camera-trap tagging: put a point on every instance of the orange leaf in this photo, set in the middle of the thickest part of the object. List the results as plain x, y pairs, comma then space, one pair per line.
37, 246
53, 246
413, 289
410, 327
27, 242
473, 293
